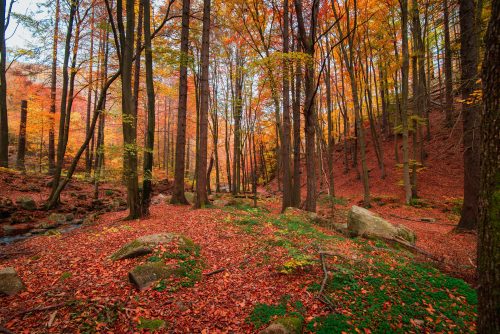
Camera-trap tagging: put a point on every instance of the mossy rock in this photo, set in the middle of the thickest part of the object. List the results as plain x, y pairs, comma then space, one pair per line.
10, 282
305, 216
27, 203
362, 222
146, 245
144, 275
285, 325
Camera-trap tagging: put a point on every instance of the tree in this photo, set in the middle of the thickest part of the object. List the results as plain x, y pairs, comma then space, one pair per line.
308, 41
53, 87
285, 141
201, 180
150, 132
178, 196
21, 147
469, 53
4, 126
489, 195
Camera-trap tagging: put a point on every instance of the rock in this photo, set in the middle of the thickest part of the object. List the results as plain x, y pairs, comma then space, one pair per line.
6, 207
20, 217
146, 244
159, 199
142, 276
26, 202
57, 218
306, 216
69, 217
10, 283
285, 325
16, 229
82, 197
221, 202
190, 196
362, 222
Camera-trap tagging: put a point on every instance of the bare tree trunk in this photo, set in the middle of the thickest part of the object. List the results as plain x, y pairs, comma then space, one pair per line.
21, 147
150, 89
201, 182
448, 76
53, 88
469, 54
489, 200
178, 196
88, 160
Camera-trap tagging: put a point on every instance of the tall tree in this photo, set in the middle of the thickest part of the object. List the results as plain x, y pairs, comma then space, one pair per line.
53, 88
201, 180
21, 145
308, 41
448, 76
178, 196
150, 90
469, 53
4, 126
489, 196
285, 141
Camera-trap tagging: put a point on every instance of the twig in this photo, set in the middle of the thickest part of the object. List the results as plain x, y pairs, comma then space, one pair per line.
44, 308
216, 271
422, 220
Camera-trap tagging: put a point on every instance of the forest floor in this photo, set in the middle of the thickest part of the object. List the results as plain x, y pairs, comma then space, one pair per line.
272, 268
271, 263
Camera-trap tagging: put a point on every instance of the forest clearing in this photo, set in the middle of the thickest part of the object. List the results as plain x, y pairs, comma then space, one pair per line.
249, 166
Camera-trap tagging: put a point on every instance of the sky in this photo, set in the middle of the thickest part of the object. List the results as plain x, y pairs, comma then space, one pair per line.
17, 35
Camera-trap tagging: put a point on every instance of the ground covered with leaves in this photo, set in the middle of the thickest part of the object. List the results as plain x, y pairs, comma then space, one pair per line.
248, 267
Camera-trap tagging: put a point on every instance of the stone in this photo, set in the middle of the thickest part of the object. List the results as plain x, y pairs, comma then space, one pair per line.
16, 229
159, 199
146, 245
6, 207
221, 202
144, 275
306, 216
285, 325
27, 203
20, 217
57, 218
10, 282
69, 217
82, 197
190, 196
362, 222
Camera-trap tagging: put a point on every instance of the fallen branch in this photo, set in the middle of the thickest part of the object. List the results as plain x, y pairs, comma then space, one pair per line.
43, 308
422, 220
216, 271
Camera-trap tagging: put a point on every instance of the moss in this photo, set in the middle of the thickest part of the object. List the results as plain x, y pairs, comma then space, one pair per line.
293, 324
151, 324
128, 248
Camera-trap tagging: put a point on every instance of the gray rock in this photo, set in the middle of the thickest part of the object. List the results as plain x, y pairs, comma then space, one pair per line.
146, 244
16, 229
10, 282
57, 218
362, 222
160, 198
144, 275
27, 203
220, 202
190, 196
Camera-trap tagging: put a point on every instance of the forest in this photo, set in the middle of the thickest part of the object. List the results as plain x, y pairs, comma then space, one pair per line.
249, 166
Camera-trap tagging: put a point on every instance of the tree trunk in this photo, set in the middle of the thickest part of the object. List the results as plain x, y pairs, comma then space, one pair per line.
404, 103
53, 88
21, 147
448, 77
150, 90
489, 196
470, 111
201, 182
178, 196
296, 135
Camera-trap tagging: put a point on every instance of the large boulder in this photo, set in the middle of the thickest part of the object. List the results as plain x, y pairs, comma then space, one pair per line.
146, 245
362, 222
285, 325
144, 275
10, 283
160, 198
27, 203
